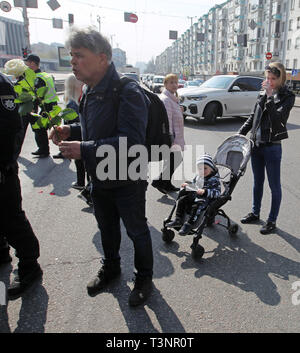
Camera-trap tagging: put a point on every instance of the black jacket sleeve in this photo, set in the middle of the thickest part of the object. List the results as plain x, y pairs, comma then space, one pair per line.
10, 124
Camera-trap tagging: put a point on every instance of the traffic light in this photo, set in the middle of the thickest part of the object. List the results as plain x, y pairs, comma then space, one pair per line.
71, 19
25, 52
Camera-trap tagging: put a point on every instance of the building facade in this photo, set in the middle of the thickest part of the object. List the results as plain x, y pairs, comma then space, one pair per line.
12, 39
235, 37
119, 57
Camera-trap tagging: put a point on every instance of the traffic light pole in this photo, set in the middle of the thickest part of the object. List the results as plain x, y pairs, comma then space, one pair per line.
26, 29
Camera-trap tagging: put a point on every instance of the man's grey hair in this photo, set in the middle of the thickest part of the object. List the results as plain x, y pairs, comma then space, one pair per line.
90, 39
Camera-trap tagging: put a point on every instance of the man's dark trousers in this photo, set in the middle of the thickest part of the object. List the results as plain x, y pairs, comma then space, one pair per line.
40, 135
14, 226
128, 203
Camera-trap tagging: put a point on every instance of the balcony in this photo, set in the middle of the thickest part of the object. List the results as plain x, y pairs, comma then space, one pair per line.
276, 35
277, 16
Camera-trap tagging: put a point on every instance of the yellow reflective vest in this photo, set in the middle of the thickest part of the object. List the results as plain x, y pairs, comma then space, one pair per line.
51, 95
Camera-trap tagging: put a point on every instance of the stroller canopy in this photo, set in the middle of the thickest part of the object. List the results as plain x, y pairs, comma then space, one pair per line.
234, 153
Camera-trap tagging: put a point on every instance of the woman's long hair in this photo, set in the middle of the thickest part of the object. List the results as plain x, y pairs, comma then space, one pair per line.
281, 69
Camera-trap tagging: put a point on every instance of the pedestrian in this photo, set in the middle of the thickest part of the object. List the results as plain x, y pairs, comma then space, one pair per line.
170, 99
103, 123
268, 128
15, 229
72, 96
50, 100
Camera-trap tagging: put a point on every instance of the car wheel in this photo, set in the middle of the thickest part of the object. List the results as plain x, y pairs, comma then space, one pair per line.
211, 113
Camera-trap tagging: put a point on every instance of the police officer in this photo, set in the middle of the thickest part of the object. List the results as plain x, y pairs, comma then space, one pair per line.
50, 100
15, 229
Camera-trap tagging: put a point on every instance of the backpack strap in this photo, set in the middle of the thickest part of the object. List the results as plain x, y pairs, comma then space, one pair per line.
118, 86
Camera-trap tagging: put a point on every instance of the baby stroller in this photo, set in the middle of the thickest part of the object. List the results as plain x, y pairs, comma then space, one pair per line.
231, 159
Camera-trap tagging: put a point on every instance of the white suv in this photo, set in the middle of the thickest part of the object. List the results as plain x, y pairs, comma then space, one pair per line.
222, 95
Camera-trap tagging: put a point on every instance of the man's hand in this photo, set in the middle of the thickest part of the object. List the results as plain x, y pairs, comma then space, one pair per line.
70, 150
59, 133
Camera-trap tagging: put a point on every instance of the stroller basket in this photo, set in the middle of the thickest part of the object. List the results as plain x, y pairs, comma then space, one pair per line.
231, 159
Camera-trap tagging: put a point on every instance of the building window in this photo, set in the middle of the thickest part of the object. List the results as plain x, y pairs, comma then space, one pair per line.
287, 64
292, 4
295, 64
297, 45
290, 25
289, 44
298, 22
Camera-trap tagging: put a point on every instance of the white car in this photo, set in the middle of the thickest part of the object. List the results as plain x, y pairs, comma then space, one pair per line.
222, 95
157, 84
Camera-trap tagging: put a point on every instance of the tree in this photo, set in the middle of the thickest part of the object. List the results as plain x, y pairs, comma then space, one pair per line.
150, 66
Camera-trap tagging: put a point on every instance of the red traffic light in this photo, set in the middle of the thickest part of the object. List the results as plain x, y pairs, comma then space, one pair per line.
24, 52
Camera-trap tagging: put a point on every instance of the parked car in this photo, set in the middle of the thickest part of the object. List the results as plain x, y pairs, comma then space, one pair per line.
192, 83
181, 83
222, 95
131, 75
157, 84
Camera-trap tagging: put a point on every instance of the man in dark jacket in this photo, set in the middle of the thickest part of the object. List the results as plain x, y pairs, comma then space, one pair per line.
104, 123
15, 229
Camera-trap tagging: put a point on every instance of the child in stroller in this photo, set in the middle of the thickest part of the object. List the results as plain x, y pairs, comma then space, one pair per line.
231, 159
194, 197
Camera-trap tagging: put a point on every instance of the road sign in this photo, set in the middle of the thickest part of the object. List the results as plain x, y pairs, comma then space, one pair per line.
130, 17
133, 18
294, 72
5, 6
269, 56
26, 3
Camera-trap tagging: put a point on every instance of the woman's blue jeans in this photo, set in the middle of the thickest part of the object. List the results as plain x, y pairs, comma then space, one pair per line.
267, 157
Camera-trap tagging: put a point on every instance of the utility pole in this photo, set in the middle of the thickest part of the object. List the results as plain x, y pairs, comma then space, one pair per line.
111, 39
99, 23
26, 29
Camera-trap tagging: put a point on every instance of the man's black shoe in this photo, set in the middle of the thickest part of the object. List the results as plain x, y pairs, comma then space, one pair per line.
105, 275
185, 229
160, 186
76, 186
58, 155
141, 290
22, 281
250, 218
268, 228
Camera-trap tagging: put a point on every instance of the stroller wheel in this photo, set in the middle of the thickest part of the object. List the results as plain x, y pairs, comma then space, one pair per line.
197, 252
233, 229
167, 235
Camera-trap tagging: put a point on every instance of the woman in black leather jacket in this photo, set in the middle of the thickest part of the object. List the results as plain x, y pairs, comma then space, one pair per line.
268, 127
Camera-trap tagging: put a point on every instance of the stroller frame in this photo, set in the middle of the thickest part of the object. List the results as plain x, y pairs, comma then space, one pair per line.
235, 160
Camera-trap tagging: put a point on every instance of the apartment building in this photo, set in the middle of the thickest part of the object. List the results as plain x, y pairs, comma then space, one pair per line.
235, 37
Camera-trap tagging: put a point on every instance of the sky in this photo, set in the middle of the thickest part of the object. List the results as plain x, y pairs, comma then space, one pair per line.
141, 41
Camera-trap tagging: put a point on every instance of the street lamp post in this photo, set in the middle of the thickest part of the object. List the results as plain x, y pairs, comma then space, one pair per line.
99, 23
26, 28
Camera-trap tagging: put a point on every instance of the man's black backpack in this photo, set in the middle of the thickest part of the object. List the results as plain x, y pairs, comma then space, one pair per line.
158, 131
